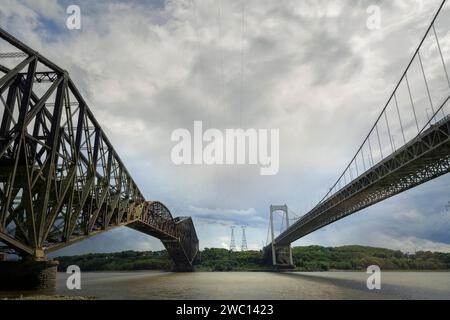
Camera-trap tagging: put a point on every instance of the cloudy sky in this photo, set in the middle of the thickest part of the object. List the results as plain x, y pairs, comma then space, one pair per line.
312, 69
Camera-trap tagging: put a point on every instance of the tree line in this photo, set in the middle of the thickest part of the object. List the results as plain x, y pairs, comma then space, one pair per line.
311, 258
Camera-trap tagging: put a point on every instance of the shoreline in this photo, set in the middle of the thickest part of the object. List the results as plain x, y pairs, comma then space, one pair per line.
267, 270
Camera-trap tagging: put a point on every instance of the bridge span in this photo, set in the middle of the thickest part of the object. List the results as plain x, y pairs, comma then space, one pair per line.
61, 181
417, 114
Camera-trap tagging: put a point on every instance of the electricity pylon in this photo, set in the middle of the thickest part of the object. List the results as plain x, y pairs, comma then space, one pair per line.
244, 240
232, 242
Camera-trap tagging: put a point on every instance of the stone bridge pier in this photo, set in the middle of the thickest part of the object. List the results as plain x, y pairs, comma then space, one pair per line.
28, 274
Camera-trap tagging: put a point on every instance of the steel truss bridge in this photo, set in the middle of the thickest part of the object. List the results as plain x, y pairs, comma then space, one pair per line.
408, 145
61, 181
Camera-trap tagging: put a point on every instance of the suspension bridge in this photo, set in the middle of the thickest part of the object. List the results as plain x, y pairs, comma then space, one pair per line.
61, 181
416, 113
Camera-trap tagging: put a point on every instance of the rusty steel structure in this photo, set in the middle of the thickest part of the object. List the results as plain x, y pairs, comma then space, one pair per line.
61, 181
417, 114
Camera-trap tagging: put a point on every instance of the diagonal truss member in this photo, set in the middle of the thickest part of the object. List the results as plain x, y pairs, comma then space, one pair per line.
61, 181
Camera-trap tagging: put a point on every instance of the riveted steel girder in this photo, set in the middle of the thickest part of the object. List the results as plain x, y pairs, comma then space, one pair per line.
61, 180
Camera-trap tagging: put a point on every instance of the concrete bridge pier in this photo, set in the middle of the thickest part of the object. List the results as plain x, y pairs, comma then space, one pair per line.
280, 257
28, 274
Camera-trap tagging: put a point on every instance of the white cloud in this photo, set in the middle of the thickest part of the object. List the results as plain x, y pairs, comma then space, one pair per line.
227, 217
413, 244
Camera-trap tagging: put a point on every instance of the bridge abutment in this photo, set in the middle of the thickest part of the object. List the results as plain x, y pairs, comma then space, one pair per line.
28, 274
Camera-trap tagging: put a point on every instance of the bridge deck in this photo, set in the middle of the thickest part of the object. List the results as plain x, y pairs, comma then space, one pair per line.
422, 159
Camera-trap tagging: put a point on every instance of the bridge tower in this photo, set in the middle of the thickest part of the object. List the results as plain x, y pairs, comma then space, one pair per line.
280, 255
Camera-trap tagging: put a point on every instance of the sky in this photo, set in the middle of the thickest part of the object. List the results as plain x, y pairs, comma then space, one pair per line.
312, 69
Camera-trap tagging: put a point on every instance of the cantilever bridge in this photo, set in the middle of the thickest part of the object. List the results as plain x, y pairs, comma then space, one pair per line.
61, 180
408, 145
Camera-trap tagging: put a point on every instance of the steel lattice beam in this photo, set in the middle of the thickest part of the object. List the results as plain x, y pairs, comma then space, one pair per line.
61, 181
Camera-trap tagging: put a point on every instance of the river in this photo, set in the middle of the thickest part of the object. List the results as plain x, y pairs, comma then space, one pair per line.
255, 285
